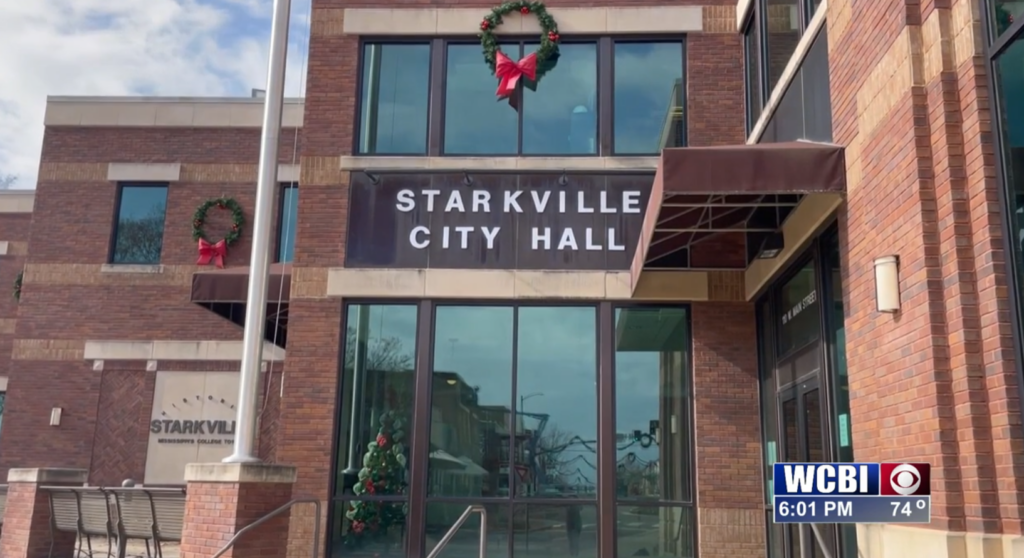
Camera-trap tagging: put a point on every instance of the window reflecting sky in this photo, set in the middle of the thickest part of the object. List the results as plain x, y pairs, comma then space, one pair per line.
396, 81
645, 78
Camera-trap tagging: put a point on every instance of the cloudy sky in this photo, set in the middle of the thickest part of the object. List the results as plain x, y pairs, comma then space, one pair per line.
129, 47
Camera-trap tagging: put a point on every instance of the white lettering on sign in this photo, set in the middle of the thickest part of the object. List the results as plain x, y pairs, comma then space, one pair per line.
514, 201
799, 307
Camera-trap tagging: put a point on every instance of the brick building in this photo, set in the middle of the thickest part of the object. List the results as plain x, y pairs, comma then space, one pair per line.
712, 237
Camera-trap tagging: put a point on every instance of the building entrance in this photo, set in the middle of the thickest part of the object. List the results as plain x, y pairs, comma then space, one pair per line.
565, 431
802, 436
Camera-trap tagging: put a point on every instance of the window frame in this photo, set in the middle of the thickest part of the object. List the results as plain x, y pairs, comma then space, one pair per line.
437, 91
116, 221
282, 199
993, 47
753, 23
417, 498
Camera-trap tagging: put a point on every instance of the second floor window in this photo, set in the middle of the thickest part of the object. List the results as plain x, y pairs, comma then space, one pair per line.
603, 97
139, 228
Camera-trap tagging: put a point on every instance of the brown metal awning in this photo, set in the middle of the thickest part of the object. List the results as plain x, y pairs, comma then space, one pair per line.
741, 191
231, 284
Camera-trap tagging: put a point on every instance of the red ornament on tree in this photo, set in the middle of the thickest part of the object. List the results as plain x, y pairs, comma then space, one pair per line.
484, 25
382, 442
524, 10
553, 37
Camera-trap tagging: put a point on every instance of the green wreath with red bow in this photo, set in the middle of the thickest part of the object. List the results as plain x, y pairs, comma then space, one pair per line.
216, 251
533, 66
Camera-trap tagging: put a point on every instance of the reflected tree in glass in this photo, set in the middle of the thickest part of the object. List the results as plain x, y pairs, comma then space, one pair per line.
140, 225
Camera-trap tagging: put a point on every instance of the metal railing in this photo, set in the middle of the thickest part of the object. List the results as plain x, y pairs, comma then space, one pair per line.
447, 538
273, 514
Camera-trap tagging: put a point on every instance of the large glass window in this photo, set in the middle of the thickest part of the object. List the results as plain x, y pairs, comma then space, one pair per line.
139, 230
783, 23
395, 92
514, 417
514, 429
1009, 79
649, 97
287, 218
556, 117
374, 435
643, 95
653, 425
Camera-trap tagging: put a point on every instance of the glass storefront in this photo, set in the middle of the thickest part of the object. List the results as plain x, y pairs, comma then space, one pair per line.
805, 405
510, 395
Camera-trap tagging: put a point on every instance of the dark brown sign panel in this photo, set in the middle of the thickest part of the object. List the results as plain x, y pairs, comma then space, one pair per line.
496, 222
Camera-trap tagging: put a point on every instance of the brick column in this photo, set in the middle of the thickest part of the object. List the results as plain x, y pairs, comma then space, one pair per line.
730, 497
26, 531
225, 497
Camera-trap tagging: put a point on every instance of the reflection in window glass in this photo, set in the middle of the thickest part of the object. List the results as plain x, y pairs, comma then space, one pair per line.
575, 535
286, 225
139, 236
798, 322
1009, 78
783, 35
649, 97
560, 117
393, 111
1006, 12
654, 531
377, 400
557, 396
474, 123
470, 412
752, 59
353, 535
652, 404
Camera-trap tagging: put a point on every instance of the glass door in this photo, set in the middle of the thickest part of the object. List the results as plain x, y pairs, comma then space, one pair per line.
803, 440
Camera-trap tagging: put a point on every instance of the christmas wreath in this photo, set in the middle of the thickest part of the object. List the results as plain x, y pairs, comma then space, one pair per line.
17, 285
216, 251
533, 66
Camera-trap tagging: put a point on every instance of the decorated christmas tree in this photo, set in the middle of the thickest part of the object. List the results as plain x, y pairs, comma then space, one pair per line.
382, 474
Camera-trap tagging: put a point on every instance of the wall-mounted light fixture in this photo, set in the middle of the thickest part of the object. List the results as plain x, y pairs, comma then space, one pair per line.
55, 414
887, 284
772, 246
466, 179
374, 179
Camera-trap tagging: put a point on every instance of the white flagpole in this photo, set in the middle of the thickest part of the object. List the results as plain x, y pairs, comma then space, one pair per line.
266, 188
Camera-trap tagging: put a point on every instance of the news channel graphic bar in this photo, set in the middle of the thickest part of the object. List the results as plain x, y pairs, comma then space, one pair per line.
852, 479
853, 509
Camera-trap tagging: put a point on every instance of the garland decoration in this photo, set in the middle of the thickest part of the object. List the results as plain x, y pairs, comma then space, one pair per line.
17, 285
534, 66
210, 251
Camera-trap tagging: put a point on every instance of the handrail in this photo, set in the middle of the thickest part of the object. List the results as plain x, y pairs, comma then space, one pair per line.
447, 538
817, 535
273, 514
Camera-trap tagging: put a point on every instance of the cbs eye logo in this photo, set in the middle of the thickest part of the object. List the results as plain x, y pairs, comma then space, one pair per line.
905, 479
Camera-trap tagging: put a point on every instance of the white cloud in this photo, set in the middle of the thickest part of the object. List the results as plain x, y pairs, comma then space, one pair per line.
128, 47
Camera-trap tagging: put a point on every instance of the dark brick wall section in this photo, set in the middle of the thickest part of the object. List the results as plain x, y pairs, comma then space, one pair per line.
215, 511
122, 427
715, 94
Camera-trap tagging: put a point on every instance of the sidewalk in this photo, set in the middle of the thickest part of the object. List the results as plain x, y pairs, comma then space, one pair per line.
136, 549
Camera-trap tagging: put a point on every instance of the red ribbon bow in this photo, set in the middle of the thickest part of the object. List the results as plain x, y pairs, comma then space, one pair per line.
212, 252
509, 72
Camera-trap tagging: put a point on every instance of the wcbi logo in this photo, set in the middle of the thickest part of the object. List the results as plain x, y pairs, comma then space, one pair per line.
852, 479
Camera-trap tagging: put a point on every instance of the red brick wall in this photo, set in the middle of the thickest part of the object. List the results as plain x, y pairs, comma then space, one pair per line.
728, 430
936, 382
72, 224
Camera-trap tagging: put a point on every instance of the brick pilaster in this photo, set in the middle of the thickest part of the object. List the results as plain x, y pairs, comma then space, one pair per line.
730, 499
26, 532
226, 497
